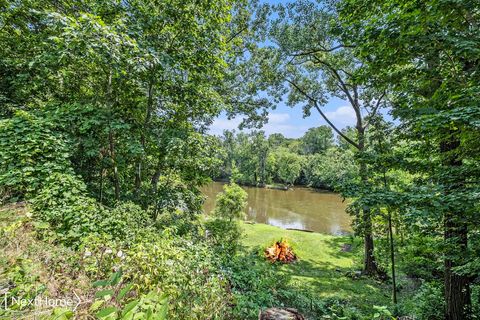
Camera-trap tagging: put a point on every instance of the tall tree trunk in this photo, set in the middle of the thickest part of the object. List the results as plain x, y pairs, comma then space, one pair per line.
155, 178
457, 287
116, 179
146, 122
370, 264
392, 258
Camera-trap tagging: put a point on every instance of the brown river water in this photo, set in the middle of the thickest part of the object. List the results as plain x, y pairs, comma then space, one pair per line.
300, 208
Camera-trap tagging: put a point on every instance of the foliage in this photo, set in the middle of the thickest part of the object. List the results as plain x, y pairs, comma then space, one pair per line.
186, 271
113, 297
333, 169
424, 55
254, 285
30, 151
317, 140
231, 202
223, 231
251, 159
105, 107
224, 235
289, 166
429, 301
62, 204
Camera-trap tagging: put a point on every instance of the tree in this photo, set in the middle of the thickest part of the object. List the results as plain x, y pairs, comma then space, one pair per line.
276, 140
335, 169
289, 165
317, 140
231, 202
426, 55
305, 57
131, 92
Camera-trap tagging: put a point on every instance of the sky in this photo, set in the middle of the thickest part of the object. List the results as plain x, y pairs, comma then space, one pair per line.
290, 122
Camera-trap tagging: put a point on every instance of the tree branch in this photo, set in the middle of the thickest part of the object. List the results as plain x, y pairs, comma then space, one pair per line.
340, 80
374, 110
315, 104
312, 51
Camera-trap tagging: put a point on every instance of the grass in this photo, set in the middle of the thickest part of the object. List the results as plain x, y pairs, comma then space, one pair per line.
323, 268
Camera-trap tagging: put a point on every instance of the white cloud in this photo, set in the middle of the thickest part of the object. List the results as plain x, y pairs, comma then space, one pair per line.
342, 117
223, 123
277, 122
284, 123
278, 118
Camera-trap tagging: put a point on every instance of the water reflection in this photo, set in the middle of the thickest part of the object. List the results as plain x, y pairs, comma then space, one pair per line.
301, 208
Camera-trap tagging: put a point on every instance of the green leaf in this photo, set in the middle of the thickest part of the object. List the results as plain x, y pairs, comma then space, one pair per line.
105, 312
96, 305
103, 293
129, 307
100, 283
115, 278
124, 291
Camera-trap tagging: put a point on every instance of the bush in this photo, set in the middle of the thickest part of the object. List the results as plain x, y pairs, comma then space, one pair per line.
430, 303
188, 272
30, 151
223, 231
224, 235
254, 284
64, 205
421, 258
125, 221
231, 202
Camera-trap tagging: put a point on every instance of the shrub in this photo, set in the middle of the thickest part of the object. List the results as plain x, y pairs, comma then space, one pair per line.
224, 235
421, 258
429, 302
63, 204
30, 151
176, 203
188, 272
125, 221
224, 231
231, 202
254, 284
73, 215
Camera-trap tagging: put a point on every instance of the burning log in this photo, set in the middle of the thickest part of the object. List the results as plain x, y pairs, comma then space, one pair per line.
280, 251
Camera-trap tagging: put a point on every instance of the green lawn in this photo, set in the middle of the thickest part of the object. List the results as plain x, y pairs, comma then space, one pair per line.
322, 267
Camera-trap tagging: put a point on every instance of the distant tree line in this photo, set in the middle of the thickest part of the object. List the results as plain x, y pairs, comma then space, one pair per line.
315, 159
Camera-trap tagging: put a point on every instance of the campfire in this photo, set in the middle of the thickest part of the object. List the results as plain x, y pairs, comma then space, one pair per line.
280, 251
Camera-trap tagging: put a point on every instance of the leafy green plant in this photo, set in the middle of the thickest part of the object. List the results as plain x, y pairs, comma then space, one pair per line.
113, 297
187, 271
30, 152
429, 302
231, 202
223, 231
63, 204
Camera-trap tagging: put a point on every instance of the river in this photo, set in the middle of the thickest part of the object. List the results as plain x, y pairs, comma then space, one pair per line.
300, 208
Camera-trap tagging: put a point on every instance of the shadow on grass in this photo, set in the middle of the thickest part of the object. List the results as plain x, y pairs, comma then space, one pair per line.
319, 281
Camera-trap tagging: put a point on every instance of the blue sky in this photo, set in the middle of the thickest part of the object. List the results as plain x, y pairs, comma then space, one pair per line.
290, 122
